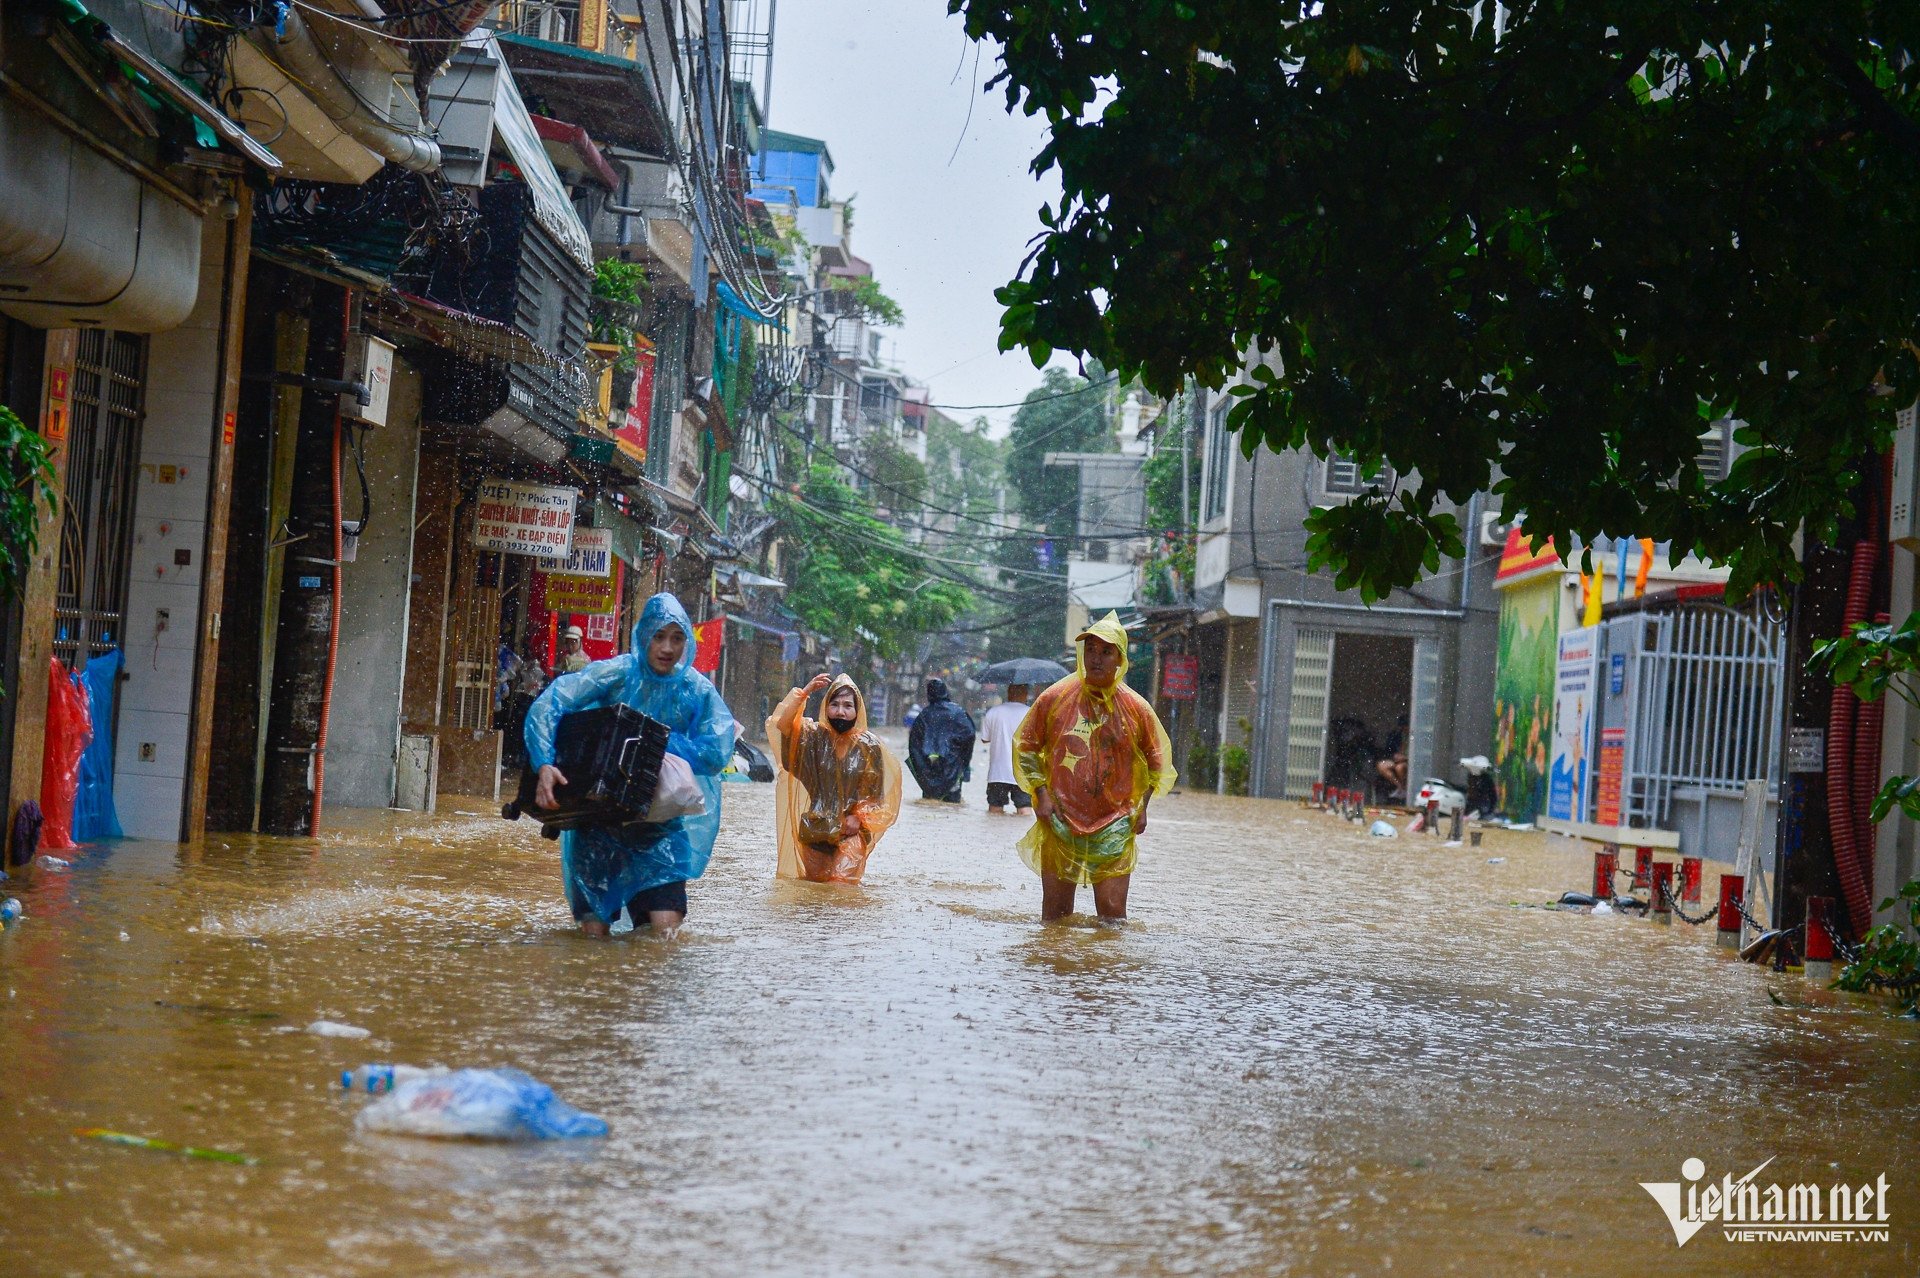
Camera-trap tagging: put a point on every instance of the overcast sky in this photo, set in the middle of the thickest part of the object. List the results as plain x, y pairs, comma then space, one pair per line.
876, 79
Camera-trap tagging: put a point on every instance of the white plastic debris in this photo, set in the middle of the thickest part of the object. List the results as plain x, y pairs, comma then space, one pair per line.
1383, 830
1601, 907
1496, 860
338, 1029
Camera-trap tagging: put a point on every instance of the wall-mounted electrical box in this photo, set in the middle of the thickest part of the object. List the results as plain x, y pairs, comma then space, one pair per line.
1902, 529
370, 363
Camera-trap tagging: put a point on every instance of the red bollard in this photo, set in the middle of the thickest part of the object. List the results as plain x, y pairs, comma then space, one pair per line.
1732, 890
1433, 816
1662, 885
1642, 867
1605, 863
1319, 793
1690, 879
1819, 940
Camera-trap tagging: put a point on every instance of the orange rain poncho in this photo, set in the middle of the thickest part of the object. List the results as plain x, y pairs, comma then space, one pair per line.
835, 794
1100, 754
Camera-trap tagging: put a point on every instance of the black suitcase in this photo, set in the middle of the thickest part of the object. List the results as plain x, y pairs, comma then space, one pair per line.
611, 758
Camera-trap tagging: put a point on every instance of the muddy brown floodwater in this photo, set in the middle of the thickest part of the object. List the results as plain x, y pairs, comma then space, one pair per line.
1311, 1053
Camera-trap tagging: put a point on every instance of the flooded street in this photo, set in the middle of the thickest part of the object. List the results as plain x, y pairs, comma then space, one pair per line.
1312, 1052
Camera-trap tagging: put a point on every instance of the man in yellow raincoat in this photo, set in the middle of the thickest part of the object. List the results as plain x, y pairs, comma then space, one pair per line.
1092, 753
838, 788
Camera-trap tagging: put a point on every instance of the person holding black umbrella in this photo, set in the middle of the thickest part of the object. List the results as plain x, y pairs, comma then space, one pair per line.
940, 745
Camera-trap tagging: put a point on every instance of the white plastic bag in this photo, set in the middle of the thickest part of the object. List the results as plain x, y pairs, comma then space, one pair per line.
678, 793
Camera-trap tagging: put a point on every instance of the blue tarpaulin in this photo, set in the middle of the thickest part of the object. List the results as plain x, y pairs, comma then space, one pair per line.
94, 817
745, 309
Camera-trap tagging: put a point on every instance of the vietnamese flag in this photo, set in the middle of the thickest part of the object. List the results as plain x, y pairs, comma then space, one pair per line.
708, 635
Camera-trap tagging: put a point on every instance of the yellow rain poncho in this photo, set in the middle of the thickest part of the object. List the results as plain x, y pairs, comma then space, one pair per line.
1100, 754
835, 794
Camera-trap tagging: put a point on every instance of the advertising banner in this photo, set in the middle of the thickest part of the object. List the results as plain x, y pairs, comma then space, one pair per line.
1180, 677
1569, 771
516, 518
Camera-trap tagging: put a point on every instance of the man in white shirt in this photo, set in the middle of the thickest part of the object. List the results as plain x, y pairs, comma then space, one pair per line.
997, 730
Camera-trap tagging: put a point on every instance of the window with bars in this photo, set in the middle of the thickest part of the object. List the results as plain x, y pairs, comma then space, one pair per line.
1219, 465
96, 533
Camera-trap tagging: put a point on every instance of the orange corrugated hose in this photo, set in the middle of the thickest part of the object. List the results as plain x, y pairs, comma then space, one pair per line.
333, 617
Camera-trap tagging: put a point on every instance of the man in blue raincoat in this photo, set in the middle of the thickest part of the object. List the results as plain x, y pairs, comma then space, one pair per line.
644, 867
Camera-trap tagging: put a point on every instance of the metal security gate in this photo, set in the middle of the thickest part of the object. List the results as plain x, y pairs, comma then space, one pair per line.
1307, 695
1423, 714
1700, 687
96, 532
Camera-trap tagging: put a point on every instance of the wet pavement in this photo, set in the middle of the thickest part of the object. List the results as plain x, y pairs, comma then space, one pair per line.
1311, 1052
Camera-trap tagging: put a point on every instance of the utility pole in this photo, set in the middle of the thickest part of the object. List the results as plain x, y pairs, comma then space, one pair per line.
302, 681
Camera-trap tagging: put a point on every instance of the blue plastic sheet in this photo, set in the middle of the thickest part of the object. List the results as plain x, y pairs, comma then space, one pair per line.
94, 816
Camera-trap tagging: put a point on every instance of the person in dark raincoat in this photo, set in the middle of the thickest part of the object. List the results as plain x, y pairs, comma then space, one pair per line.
940, 745
644, 866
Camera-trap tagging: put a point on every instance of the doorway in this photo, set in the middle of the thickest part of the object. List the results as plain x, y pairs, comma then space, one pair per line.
1369, 706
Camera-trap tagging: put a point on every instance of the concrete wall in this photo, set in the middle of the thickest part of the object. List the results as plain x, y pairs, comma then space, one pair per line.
169, 548
364, 734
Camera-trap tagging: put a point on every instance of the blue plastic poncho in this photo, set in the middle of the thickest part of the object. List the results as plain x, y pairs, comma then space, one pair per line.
606, 867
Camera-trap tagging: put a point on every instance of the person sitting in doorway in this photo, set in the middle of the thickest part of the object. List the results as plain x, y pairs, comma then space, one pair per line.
1392, 768
573, 655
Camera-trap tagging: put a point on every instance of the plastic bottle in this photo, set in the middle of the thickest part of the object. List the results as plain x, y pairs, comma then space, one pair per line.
375, 1079
10, 909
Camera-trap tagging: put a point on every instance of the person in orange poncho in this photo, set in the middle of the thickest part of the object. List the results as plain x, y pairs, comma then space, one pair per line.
1092, 753
838, 788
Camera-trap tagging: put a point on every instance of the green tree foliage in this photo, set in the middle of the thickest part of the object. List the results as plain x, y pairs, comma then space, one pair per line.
619, 289
26, 484
861, 295
966, 472
899, 478
1556, 238
854, 578
1167, 471
1064, 414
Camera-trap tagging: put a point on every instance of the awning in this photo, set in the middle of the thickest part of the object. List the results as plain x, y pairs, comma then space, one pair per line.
741, 577
513, 125
576, 148
761, 626
465, 334
612, 97
164, 81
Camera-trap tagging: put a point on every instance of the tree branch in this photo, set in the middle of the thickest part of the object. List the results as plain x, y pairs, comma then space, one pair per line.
1879, 114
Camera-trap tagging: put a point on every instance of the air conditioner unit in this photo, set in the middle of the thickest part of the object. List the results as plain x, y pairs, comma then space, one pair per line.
1495, 530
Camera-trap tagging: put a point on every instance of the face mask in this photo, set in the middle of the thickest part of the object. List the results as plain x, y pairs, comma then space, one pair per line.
840, 725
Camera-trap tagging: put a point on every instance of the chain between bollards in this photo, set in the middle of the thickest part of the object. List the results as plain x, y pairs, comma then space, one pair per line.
1673, 903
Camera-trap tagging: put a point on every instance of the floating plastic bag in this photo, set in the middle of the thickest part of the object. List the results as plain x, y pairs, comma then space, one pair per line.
478, 1104
69, 729
1383, 830
94, 816
678, 793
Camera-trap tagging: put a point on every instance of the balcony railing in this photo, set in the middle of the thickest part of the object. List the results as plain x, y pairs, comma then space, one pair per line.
557, 21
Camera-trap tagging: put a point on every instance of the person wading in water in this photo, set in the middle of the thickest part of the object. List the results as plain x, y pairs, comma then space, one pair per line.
838, 789
644, 867
1092, 753
940, 745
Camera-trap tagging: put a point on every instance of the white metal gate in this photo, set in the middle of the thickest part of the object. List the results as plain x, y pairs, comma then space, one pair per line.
1307, 697
1423, 714
1705, 683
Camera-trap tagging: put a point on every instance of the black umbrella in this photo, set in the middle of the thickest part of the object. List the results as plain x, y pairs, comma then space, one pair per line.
1027, 670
